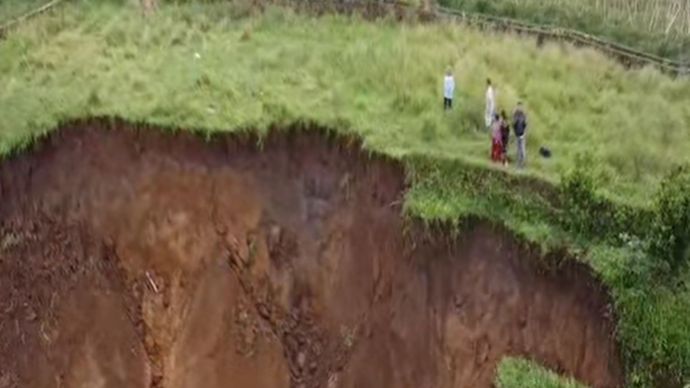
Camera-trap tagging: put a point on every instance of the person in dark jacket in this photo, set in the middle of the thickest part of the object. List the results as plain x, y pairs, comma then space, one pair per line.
520, 129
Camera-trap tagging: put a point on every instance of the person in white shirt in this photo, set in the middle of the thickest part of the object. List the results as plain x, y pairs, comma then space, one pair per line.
448, 90
490, 104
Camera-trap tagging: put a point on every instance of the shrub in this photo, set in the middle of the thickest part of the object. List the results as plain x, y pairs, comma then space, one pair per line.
670, 230
665, 229
583, 211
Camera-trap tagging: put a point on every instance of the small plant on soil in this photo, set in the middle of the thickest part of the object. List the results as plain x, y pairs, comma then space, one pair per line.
521, 373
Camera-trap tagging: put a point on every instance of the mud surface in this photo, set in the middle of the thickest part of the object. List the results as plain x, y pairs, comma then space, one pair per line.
134, 258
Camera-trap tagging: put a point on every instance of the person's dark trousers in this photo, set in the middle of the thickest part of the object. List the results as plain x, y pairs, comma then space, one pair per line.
447, 103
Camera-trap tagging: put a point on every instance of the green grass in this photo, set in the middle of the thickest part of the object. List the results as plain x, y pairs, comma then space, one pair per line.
382, 81
520, 373
450, 191
654, 318
660, 27
10, 9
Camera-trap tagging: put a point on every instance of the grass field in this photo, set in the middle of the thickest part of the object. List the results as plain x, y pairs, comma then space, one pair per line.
381, 80
520, 373
10, 9
216, 68
660, 27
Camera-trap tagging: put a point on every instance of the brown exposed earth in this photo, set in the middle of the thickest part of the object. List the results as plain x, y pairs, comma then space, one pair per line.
130, 257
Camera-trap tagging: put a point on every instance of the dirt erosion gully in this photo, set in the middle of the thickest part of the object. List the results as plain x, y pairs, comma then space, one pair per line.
135, 257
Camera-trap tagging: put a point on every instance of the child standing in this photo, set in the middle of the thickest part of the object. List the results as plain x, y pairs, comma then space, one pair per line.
448, 90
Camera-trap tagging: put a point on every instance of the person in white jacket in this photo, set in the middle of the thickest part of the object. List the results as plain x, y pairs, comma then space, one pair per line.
448, 90
490, 104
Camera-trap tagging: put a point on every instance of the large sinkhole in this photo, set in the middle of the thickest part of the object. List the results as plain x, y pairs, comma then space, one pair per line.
140, 258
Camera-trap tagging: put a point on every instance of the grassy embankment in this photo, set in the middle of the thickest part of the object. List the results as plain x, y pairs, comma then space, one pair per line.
660, 27
215, 69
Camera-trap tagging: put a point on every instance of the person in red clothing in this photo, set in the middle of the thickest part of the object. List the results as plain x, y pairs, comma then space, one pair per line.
496, 139
505, 136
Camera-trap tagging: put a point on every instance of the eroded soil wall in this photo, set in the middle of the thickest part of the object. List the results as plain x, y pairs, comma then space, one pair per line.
136, 258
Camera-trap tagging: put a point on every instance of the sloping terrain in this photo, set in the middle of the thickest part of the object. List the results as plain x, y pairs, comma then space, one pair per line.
137, 258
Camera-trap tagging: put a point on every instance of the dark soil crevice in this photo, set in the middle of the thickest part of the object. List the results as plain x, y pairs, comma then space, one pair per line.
134, 257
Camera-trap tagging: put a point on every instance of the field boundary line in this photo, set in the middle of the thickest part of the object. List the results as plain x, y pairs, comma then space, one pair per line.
14, 22
625, 54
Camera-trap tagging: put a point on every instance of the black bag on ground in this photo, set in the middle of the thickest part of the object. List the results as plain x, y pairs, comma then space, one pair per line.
545, 152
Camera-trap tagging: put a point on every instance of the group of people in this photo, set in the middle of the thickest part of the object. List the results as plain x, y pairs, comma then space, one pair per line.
497, 124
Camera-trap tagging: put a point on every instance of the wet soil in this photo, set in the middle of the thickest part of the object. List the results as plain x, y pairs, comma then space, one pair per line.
131, 257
